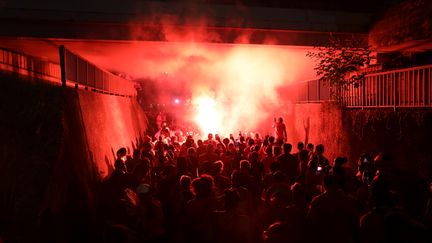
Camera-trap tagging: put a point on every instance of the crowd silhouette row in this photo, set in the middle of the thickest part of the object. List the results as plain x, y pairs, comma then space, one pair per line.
254, 189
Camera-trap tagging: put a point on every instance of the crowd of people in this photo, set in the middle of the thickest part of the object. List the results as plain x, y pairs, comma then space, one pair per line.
254, 189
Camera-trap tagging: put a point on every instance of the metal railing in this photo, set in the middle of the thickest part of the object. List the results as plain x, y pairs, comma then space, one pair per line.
29, 66
409, 87
312, 91
72, 71
82, 73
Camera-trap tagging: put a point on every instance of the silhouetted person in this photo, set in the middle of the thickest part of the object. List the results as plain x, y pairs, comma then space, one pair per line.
118, 233
182, 167
249, 147
185, 192
149, 215
319, 163
268, 178
147, 152
167, 193
298, 209
245, 204
372, 224
198, 219
142, 171
192, 161
230, 224
279, 186
318, 167
161, 120
258, 140
268, 158
365, 168
119, 180
300, 147
227, 158
277, 150
246, 179
201, 149
210, 140
136, 159
295, 214
221, 182
303, 162
310, 149
276, 209
257, 175
289, 163
206, 159
271, 141
332, 215
113, 193
346, 175
276, 233
280, 129
427, 218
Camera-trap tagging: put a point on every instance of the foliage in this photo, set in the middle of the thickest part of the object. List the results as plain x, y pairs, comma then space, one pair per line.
340, 63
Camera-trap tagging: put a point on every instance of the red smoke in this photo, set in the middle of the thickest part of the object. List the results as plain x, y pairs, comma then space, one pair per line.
231, 87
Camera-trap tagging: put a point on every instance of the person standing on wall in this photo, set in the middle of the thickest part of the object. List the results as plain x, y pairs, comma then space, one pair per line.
280, 129
161, 120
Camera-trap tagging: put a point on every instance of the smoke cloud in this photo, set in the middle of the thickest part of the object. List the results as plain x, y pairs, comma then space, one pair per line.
228, 87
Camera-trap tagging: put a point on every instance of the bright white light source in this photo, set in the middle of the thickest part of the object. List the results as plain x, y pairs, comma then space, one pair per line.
176, 101
208, 115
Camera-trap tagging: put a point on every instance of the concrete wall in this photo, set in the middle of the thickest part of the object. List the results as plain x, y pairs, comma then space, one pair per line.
110, 122
94, 126
56, 145
317, 123
404, 134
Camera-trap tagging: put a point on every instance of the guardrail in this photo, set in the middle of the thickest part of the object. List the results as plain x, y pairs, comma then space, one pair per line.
29, 66
81, 72
312, 91
72, 71
402, 88
409, 87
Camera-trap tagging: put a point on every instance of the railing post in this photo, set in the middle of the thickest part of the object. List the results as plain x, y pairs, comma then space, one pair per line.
363, 94
62, 54
86, 68
76, 72
395, 86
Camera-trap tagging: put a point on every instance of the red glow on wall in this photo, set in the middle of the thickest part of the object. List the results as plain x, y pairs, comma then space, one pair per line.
230, 88
247, 83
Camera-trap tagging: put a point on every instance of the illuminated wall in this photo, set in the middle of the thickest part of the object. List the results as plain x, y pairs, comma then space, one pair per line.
110, 122
318, 124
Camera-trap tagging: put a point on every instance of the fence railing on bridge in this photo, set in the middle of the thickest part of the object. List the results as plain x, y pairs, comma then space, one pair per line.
83, 73
312, 91
72, 71
29, 66
409, 87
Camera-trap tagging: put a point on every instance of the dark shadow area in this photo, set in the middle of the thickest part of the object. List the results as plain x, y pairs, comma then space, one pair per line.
48, 179
68, 213
405, 135
31, 134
